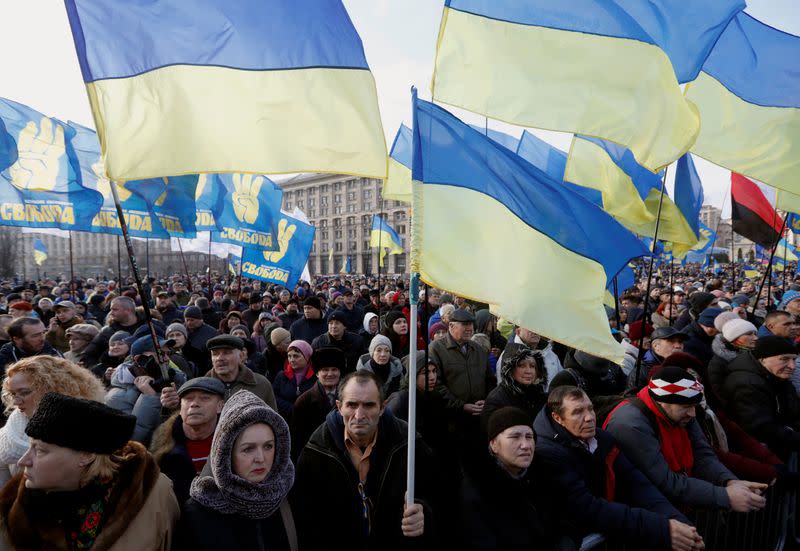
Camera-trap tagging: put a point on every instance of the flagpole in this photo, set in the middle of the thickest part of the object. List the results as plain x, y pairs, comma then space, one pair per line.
147, 254
119, 265
71, 271
210, 286
162, 358
671, 287
769, 268
640, 355
412, 344
786, 246
239, 286
185, 267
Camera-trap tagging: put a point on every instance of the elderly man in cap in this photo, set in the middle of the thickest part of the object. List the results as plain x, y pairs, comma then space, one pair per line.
227, 361
658, 432
196, 347
760, 397
339, 337
663, 342
181, 445
312, 324
66, 316
701, 334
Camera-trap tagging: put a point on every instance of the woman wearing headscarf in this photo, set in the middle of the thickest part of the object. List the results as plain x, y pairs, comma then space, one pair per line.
85, 486
522, 385
486, 323
297, 377
118, 349
239, 500
370, 328
380, 361
26, 382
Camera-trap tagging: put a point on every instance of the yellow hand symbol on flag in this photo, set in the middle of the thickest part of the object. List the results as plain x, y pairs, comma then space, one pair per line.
103, 184
202, 179
245, 196
40, 152
284, 237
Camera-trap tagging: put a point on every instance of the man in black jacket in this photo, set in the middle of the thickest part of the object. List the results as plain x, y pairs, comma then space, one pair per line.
354, 469
312, 324
595, 485
701, 335
27, 339
125, 318
339, 337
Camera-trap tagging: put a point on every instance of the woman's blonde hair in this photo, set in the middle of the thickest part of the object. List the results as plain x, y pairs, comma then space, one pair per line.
51, 374
106, 466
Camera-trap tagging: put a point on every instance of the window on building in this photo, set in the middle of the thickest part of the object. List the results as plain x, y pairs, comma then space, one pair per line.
351, 195
353, 245
312, 213
324, 235
367, 194
337, 199
288, 205
366, 244
312, 202
337, 234
323, 212
323, 223
351, 233
401, 228
337, 222
351, 207
368, 205
337, 210
300, 203
323, 201
338, 248
337, 186
325, 248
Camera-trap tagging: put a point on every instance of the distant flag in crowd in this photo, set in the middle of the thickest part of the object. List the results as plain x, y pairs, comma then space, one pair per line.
466, 177
397, 186
530, 63
40, 182
285, 265
156, 208
250, 210
330, 258
345, 269
239, 87
208, 197
793, 223
752, 215
234, 263
750, 271
384, 238
689, 192
39, 251
748, 95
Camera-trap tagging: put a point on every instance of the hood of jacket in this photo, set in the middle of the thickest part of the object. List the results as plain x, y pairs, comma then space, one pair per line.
723, 349
225, 491
368, 318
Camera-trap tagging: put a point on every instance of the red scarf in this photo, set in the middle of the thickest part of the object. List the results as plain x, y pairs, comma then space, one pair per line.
289, 372
676, 447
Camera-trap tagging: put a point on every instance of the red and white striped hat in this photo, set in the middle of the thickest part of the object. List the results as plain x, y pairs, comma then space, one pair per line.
673, 385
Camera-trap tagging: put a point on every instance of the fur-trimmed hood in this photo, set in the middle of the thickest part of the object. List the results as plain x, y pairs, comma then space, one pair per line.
724, 349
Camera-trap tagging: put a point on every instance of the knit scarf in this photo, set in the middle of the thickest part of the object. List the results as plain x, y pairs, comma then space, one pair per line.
676, 447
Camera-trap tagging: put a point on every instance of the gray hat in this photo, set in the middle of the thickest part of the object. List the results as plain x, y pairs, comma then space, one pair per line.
667, 333
225, 341
193, 312
65, 304
177, 327
119, 336
463, 316
206, 384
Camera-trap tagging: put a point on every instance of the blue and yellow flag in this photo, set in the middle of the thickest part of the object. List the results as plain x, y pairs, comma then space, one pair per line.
384, 238
41, 183
397, 185
689, 192
285, 265
208, 197
466, 177
157, 208
39, 251
750, 271
251, 208
235, 262
748, 95
205, 86
345, 269
530, 63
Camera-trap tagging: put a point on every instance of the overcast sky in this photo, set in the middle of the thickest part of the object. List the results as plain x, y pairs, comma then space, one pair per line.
39, 67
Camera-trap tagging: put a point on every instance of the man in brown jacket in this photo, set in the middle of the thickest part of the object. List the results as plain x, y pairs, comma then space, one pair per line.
66, 316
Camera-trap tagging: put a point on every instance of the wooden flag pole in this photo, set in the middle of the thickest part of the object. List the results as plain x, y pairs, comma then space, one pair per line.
769, 268
72, 294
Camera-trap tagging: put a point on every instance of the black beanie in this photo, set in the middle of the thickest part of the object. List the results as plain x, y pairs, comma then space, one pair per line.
313, 302
505, 418
673, 385
773, 346
391, 317
78, 424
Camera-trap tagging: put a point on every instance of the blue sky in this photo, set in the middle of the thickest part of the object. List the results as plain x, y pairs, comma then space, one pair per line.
40, 69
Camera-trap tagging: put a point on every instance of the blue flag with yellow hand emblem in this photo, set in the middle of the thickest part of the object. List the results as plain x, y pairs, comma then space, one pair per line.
157, 208
208, 201
43, 181
248, 215
285, 265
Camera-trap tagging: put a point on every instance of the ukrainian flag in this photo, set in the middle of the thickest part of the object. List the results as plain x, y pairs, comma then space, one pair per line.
531, 63
234, 263
384, 237
259, 86
462, 178
345, 266
397, 185
39, 252
748, 95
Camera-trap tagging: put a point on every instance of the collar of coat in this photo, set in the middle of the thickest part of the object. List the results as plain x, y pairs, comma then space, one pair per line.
132, 485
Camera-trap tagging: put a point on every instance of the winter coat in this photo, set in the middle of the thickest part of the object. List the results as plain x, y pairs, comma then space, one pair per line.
327, 478
699, 343
464, 378
169, 451
610, 380
766, 407
57, 336
288, 319
309, 412
551, 362
350, 344
649, 361
640, 440
247, 380
531, 400
287, 391
10, 354
143, 512
171, 315
99, 344
498, 511
105, 362
724, 354
196, 350
392, 382
577, 481
307, 329
274, 361
353, 317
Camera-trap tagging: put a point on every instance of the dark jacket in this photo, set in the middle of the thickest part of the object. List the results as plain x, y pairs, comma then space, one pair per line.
576, 480
326, 489
287, 319
309, 412
350, 343
307, 329
599, 379
353, 317
247, 380
171, 314
649, 361
531, 400
766, 407
463, 377
432, 418
169, 451
287, 391
196, 350
717, 372
99, 344
699, 343
10, 354
501, 512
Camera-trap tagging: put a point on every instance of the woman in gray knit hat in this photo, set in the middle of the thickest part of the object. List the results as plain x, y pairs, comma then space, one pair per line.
239, 500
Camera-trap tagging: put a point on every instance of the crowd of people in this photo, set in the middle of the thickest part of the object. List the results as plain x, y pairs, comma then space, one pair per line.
252, 416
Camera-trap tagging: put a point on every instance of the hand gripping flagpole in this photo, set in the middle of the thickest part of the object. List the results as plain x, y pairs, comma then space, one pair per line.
162, 357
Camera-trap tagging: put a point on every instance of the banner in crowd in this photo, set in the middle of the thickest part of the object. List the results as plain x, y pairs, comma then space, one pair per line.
285, 265
384, 238
250, 209
39, 251
40, 182
208, 197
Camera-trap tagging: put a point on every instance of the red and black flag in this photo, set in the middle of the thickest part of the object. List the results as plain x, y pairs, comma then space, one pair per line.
752, 214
